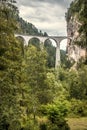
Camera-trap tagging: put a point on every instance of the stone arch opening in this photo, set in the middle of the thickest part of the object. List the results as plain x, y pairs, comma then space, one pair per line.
50, 41
35, 42
63, 44
21, 39
50, 46
63, 52
22, 43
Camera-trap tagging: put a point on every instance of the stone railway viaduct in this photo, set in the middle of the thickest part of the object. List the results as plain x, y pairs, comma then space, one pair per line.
42, 40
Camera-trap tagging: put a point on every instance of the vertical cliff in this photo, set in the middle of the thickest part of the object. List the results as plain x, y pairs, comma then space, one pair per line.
76, 18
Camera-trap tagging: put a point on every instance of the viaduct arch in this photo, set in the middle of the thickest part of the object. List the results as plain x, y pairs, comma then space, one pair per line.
42, 39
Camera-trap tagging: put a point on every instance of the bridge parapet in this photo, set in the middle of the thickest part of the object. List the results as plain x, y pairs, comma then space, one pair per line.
57, 39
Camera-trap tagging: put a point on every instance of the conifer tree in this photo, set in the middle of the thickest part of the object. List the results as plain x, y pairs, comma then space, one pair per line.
10, 65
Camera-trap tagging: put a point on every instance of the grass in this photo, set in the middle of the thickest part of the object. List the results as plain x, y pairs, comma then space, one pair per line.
77, 123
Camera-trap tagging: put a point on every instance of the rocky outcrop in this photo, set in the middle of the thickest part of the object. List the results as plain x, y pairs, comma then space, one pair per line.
74, 50
76, 53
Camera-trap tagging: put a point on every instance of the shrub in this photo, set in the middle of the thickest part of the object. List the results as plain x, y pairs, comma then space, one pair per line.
55, 114
78, 107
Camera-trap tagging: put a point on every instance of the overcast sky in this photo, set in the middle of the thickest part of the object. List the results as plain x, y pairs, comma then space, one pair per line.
46, 15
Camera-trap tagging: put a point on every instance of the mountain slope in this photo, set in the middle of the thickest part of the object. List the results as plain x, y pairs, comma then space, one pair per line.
28, 28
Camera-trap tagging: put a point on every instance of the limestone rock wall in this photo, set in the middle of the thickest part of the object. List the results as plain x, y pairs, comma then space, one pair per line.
74, 51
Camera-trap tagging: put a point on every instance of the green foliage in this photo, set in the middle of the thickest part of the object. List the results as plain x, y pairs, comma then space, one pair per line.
10, 67
43, 126
36, 75
35, 42
56, 113
75, 7
30, 124
65, 62
4, 124
29, 91
51, 51
36, 62
78, 108
78, 86
15, 125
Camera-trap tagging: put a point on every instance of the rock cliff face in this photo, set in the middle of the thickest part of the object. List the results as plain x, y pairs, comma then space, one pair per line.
75, 51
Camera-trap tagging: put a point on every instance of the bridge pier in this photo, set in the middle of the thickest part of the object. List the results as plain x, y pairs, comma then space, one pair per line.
57, 60
42, 40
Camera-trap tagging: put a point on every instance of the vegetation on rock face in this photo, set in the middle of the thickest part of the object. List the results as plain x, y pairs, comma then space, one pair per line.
77, 11
33, 95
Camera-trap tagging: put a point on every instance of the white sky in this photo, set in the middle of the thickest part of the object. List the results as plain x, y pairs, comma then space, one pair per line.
46, 15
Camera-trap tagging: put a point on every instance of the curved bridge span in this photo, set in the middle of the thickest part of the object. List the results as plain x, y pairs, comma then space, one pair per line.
42, 40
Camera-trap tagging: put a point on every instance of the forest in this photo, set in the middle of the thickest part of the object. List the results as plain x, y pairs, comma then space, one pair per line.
34, 95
